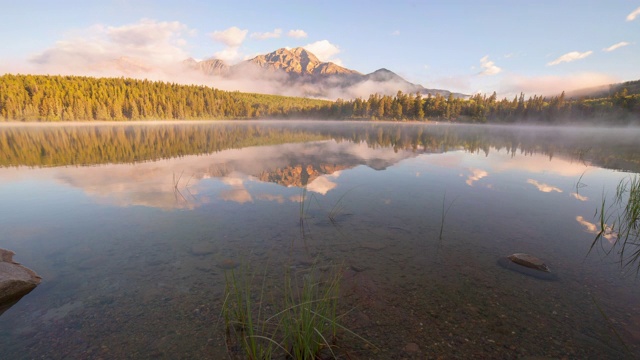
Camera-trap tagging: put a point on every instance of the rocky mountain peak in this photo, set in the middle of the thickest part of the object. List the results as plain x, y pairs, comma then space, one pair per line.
298, 61
208, 67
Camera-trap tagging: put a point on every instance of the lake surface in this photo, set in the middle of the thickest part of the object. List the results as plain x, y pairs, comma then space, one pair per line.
133, 227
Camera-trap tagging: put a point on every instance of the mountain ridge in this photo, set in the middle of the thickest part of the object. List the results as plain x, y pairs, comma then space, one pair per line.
301, 69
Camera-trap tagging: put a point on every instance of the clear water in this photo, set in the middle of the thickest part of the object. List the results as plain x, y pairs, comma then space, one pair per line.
132, 250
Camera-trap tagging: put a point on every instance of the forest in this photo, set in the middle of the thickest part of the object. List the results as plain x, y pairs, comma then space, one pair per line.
32, 98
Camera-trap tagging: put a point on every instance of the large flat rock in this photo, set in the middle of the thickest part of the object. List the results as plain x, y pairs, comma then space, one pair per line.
15, 280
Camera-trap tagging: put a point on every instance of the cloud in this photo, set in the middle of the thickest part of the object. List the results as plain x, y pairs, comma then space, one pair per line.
489, 67
458, 82
546, 188
229, 54
267, 35
616, 46
632, 16
324, 50
396, 33
297, 34
569, 57
232, 37
148, 41
553, 85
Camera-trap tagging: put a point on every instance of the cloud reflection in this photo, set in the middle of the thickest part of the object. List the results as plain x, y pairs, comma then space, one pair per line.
546, 188
579, 197
593, 229
237, 194
476, 174
323, 184
270, 197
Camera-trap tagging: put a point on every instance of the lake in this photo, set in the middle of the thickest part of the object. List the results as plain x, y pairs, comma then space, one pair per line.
137, 228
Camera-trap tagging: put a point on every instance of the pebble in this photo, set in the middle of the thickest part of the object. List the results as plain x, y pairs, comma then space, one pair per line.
228, 264
203, 248
412, 348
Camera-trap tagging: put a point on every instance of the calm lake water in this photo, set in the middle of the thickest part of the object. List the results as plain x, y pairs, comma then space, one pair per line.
132, 228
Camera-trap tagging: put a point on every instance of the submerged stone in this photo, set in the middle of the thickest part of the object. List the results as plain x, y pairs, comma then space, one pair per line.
16, 280
528, 265
203, 248
228, 264
529, 261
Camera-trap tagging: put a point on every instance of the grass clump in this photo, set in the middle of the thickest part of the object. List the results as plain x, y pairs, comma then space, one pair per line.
624, 215
299, 321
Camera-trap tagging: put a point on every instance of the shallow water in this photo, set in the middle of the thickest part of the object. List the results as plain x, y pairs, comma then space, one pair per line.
131, 227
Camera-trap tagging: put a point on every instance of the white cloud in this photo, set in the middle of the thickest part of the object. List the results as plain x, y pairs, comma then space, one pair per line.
324, 50
130, 47
616, 46
230, 54
632, 16
396, 33
569, 57
489, 67
297, 34
232, 37
267, 35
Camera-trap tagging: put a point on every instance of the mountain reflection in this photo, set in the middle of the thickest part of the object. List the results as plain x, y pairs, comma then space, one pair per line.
180, 182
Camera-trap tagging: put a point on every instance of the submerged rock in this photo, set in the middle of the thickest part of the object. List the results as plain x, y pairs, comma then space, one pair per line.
529, 261
528, 265
202, 248
228, 264
16, 280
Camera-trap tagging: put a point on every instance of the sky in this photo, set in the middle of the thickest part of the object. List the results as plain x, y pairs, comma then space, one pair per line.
535, 47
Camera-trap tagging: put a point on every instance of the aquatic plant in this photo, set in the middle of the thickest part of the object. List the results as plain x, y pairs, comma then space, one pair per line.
304, 204
240, 317
307, 326
623, 213
444, 213
338, 207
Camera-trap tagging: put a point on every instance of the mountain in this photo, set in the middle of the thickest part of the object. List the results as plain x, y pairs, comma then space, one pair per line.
299, 72
384, 75
298, 62
208, 67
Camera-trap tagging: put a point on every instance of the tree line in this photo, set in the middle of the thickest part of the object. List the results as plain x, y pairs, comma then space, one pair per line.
619, 107
73, 98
